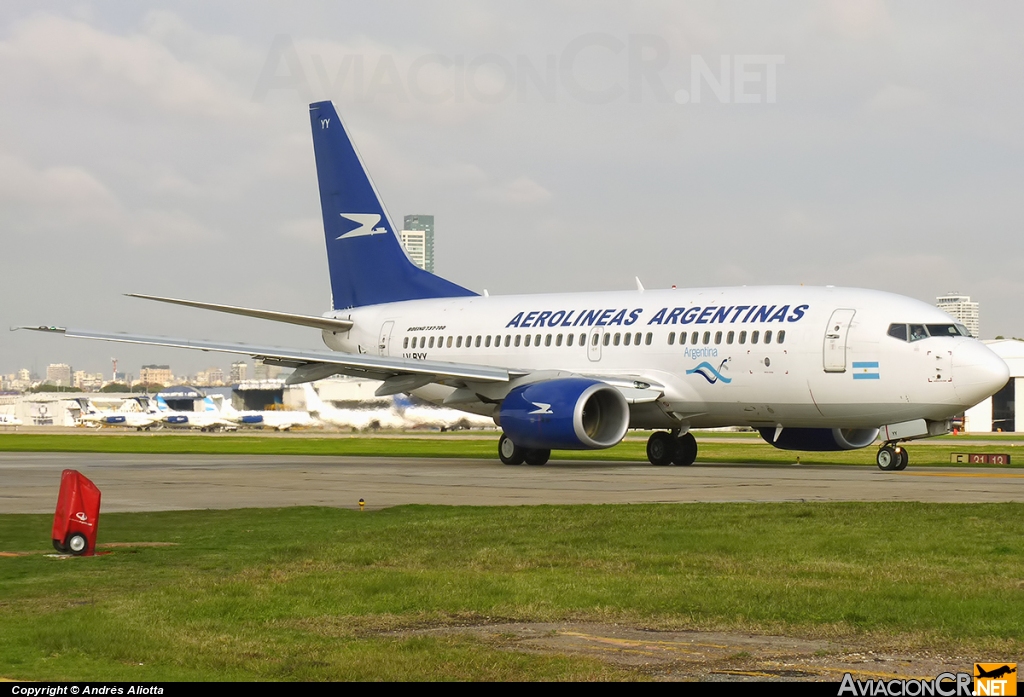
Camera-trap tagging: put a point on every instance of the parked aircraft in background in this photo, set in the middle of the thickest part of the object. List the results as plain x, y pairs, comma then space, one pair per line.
209, 419
8, 420
809, 368
132, 413
283, 420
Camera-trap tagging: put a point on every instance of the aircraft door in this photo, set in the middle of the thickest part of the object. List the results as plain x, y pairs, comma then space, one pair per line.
836, 333
385, 338
594, 343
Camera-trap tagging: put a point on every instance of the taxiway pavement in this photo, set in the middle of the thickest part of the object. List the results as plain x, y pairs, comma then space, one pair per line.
135, 482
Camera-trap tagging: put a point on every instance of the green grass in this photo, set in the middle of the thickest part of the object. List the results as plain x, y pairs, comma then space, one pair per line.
368, 445
317, 594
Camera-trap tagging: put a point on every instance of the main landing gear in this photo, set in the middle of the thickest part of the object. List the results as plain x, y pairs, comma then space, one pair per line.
671, 448
512, 454
891, 457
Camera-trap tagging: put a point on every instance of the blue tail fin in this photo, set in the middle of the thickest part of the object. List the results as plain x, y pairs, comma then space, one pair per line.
367, 263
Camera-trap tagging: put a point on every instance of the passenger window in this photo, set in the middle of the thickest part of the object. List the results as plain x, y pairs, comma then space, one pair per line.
583, 340
597, 338
449, 342
547, 339
458, 342
707, 338
917, 332
508, 339
568, 339
536, 340
753, 336
693, 338
671, 338
405, 343
898, 331
768, 337
618, 337
431, 342
607, 339
627, 338
558, 340
729, 337
528, 337
743, 337
518, 339
650, 338
781, 337
718, 337
487, 341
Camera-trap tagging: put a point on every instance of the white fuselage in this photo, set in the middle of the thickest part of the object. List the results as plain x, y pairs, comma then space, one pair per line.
829, 362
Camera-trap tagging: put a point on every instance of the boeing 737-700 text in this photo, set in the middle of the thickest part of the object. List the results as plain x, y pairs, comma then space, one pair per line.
809, 368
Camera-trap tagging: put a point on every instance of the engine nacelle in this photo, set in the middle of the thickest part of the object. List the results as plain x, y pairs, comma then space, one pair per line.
565, 414
820, 439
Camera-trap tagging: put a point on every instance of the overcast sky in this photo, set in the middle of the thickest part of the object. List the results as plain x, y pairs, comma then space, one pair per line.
165, 149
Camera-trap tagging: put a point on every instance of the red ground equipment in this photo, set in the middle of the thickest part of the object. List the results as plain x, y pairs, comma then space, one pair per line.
77, 515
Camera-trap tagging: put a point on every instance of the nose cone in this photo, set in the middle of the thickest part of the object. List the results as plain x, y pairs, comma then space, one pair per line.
977, 372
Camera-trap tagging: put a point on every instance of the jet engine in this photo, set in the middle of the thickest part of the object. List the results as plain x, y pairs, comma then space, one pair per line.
565, 414
820, 439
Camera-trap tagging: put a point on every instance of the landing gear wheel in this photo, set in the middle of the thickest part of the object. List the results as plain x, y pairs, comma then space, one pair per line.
77, 544
686, 450
537, 457
661, 448
509, 452
888, 458
904, 459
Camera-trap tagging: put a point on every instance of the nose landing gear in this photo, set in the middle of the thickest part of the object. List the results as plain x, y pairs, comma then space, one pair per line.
891, 457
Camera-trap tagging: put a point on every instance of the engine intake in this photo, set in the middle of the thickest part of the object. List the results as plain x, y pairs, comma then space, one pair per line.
820, 439
565, 414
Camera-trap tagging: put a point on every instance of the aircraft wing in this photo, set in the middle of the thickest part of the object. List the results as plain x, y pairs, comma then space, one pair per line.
314, 365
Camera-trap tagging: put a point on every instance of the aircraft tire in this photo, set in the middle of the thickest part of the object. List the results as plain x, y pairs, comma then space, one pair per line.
77, 544
686, 450
537, 457
887, 458
661, 448
509, 452
904, 460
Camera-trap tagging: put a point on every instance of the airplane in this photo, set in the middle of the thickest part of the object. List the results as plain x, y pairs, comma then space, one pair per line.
130, 414
209, 419
284, 420
10, 420
810, 368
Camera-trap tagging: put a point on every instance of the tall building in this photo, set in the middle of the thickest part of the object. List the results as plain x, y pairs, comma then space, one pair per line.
238, 371
160, 374
423, 224
961, 307
59, 374
415, 243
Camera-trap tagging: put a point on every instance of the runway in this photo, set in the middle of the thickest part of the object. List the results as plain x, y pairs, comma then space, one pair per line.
176, 482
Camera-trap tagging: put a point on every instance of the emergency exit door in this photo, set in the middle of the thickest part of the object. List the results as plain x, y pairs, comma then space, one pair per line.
385, 338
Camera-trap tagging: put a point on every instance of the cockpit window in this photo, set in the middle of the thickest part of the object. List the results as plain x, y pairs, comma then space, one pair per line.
923, 331
898, 331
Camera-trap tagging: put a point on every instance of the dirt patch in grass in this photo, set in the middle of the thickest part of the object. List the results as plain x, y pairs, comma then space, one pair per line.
713, 656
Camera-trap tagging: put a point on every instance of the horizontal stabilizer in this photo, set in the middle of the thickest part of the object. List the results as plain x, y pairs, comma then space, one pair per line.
328, 323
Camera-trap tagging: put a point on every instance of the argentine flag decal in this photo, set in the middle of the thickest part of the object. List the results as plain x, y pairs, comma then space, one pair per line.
865, 370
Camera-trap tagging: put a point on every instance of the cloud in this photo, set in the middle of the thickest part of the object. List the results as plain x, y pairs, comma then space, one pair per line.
128, 72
